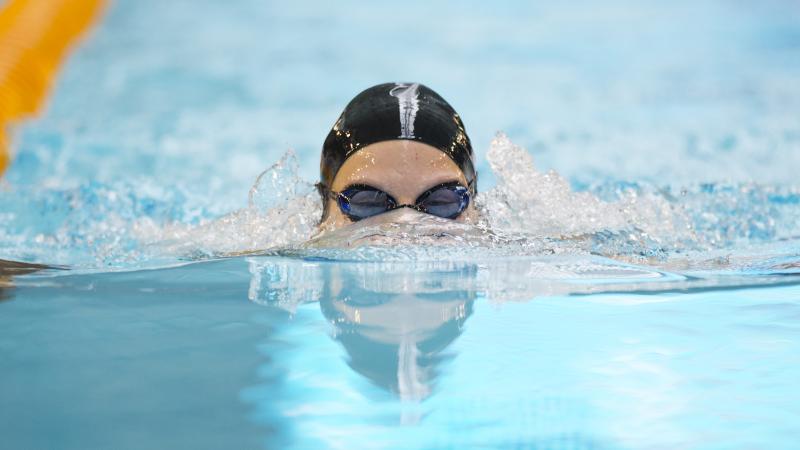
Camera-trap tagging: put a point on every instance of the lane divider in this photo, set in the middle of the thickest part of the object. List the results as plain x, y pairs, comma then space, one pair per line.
35, 36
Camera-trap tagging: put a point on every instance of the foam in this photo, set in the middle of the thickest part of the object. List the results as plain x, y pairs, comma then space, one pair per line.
528, 213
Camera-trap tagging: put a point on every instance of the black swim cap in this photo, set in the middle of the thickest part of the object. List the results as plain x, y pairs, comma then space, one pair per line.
392, 111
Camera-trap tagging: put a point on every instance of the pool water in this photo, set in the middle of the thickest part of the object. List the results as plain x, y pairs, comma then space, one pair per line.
633, 285
179, 358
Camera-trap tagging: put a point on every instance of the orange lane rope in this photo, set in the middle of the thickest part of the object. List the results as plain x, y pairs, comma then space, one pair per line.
34, 38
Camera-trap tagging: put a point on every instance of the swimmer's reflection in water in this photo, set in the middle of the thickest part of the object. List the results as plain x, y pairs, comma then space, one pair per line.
397, 146
8, 269
395, 330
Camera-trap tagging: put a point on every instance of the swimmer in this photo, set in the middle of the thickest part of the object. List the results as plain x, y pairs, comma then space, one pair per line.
397, 147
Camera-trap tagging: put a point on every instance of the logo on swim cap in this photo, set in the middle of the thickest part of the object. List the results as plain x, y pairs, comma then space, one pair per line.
408, 103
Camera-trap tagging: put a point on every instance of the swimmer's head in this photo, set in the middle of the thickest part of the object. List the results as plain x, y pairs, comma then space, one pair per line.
397, 145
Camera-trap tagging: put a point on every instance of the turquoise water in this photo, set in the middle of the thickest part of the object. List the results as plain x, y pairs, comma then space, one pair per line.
643, 295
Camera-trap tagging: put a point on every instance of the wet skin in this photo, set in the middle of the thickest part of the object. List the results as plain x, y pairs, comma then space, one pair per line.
402, 168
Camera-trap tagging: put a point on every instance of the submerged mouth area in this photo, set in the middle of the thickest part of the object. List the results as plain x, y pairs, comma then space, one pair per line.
402, 226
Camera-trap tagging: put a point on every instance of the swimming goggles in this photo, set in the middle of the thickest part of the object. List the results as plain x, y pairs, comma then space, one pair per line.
359, 201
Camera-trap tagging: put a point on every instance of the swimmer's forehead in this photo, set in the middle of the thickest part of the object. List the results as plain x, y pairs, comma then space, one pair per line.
393, 165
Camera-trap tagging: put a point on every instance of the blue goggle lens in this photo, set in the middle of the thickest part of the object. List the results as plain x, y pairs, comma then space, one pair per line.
447, 201
360, 202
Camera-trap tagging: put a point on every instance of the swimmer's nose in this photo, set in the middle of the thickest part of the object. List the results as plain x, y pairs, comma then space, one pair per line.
406, 215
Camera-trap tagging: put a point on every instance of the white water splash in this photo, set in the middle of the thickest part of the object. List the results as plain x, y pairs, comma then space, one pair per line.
282, 210
527, 213
535, 203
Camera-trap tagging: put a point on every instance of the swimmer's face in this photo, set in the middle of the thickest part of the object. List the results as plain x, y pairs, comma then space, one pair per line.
402, 168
